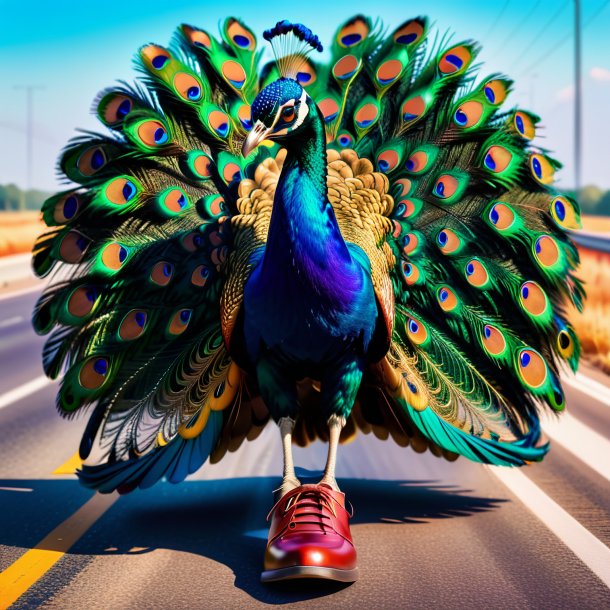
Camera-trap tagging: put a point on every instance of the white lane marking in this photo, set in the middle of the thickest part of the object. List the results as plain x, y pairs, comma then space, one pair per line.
19, 293
583, 442
15, 260
590, 387
11, 321
24, 390
22, 489
591, 551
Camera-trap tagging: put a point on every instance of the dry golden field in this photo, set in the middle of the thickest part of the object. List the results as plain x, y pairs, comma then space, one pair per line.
596, 224
18, 230
593, 325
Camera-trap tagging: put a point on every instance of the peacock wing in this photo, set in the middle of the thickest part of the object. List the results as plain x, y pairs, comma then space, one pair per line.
484, 269
137, 251
362, 205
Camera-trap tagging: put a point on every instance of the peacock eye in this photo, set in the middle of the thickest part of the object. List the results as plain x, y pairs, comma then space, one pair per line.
288, 114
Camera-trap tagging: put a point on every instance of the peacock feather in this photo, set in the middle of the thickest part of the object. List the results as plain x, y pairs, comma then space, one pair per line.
435, 190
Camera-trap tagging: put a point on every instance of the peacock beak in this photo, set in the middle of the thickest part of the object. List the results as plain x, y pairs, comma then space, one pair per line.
258, 133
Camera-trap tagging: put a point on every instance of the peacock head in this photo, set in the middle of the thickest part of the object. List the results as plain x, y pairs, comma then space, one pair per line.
279, 113
283, 110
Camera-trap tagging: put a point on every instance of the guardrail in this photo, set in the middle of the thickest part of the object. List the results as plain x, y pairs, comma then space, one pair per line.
593, 241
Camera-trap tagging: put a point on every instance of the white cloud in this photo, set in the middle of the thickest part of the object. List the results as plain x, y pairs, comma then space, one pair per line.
566, 94
600, 74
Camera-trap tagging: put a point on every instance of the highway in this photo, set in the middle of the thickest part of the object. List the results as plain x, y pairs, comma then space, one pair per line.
429, 534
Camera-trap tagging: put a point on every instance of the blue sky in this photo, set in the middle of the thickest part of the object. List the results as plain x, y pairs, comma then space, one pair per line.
75, 49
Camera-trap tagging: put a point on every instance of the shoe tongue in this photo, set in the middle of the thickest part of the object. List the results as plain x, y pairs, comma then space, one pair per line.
339, 496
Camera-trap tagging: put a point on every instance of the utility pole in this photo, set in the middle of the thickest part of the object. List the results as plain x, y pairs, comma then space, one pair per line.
577, 98
29, 133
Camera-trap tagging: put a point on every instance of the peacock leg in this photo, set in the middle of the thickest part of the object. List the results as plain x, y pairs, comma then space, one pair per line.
289, 481
335, 425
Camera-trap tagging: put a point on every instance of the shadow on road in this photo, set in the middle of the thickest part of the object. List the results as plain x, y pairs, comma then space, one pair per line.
224, 520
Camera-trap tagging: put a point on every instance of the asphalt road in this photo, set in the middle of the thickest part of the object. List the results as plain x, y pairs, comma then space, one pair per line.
429, 534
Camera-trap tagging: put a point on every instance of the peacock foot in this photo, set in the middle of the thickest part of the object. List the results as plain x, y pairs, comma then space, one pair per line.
309, 537
330, 481
288, 484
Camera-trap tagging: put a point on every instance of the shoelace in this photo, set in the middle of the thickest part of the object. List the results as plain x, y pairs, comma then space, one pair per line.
308, 507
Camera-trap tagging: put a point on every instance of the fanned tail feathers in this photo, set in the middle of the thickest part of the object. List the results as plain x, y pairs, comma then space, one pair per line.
476, 266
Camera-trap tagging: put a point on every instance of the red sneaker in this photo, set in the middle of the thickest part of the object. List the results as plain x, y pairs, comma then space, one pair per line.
309, 537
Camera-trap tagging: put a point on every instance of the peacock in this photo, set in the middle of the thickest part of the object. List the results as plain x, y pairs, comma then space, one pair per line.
365, 244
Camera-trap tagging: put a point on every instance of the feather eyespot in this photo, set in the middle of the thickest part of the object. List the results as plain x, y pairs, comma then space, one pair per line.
410, 243
468, 114
173, 201
244, 114
345, 139
155, 57
448, 241
565, 213
409, 33
416, 331
497, 159
387, 160
546, 251
133, 325
533, 299
114, 255
152, 133
542, 169
417, 162
329, 108
495, 91
93, 373
234, 73
197, 38
179, 322
524, 125
454, 60
346, 67
200, 164
493, 340
66, 208
502, 216
447, 299
73, 247
120, 191
114, 108
532, 367
161, 273
366, 115
352, 34
446, 186
476, 274
219, 123
82, 301
240, 36
413, 109
389, 71
187, 87
411, 273
91, 161
200, 275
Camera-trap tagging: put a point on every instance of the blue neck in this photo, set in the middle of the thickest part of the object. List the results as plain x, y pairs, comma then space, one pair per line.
303, 231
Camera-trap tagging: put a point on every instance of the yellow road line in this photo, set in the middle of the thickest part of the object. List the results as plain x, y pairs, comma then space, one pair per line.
70, 466
35, 563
